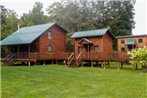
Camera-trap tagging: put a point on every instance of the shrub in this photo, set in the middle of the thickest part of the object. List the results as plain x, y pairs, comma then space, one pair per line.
139, 56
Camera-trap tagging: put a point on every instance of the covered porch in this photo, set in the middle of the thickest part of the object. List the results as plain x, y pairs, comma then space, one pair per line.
29, 53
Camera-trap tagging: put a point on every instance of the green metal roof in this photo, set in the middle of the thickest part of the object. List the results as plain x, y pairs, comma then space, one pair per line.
26, 35
130, 42
90, 33
132, 36
87, 40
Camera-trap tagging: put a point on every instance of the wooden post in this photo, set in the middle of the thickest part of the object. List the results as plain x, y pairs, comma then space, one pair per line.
29, 50
52, 62
65, 62
82, 64
29, 63
8, 49
56, 61
17, 51
88, 50
104, 65
35, 63
97, 63
118, 65
91, 63
108, 63
44, 63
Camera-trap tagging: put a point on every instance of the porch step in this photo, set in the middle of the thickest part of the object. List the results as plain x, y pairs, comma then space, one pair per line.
9, 60
73, 63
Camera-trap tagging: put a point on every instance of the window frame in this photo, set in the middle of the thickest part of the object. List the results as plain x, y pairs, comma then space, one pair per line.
123, 50
139, 40
95, 51
51, 48
122, 41
49, 34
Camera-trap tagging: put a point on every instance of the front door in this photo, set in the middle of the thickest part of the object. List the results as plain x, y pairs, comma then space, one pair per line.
130, 47
87, 49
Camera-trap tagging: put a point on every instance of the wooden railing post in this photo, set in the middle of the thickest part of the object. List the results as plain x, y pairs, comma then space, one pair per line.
29, 51
17, 51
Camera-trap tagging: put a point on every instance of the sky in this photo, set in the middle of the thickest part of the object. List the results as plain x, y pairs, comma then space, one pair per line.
23, 6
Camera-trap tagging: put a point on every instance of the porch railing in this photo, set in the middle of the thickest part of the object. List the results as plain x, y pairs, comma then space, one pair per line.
35, 55
65, 55
98, 56
105, 56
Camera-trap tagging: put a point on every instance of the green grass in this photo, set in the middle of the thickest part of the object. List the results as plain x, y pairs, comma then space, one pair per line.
57, 81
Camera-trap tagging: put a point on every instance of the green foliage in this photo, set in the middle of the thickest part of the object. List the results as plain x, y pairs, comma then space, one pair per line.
34, 17
139, 56
9, 22
70, 44
84, 15
77, 15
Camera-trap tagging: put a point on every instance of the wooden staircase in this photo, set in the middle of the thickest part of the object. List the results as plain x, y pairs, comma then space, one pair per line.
9, 60
73, 61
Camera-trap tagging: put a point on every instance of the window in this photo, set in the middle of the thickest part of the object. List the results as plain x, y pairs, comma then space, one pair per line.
122, 49
140, 40
49, 35
49, 48
122, 41
96, 48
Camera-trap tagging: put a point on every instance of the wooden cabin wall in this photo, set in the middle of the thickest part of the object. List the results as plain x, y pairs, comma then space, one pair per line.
119, 45
58, 41
107, 45
97, 41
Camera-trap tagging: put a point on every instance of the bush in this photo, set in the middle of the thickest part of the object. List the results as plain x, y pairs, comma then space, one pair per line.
139, 56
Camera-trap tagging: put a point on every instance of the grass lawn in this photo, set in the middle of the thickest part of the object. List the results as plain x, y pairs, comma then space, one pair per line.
57, 81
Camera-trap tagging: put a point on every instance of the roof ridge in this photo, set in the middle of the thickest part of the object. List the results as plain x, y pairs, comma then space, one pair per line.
91, 30
121, 36
37, 25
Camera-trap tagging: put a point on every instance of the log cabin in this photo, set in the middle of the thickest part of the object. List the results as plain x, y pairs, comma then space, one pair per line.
91, 46
35, 43
129, 42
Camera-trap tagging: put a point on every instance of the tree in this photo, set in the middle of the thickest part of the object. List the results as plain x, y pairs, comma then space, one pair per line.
9, 21
139, 56
34, 17
77, 15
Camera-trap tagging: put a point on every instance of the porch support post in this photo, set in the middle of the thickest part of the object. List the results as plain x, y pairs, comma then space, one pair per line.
9, 49
82, 64
29, 63
97, 63
29, 51
104, 64
17, 51
64, 62
56, 61
35, 63
91, 63
44, 63
88, 50
108, 63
